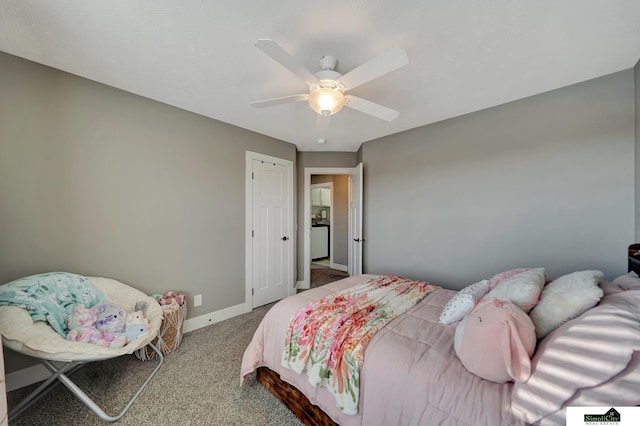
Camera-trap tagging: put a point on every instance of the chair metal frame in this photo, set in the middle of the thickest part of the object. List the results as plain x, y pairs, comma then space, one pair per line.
62, 375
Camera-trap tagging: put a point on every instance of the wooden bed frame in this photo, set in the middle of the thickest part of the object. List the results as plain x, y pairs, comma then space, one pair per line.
293, 399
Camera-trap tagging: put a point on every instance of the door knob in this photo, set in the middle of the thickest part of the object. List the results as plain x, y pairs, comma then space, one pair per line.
284, 238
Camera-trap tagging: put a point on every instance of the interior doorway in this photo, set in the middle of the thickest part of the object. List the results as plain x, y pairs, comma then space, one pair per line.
329, 222
335, 219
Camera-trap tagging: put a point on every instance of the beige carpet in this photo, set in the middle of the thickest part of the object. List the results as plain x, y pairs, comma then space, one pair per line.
199, 384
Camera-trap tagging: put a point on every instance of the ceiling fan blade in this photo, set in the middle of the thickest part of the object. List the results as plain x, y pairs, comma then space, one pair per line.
322, 125
371, 108
277, 53
279, 101
385, 63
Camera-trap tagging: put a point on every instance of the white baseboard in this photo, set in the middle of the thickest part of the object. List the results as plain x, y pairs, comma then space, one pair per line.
211, 318
26, 376
37, 373
301, 285
340, 267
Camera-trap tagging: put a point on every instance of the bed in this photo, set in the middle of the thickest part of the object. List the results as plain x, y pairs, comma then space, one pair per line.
412, 375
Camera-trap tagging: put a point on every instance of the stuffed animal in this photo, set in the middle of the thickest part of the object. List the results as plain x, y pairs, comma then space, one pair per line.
111, 340
81, 325
110, 318
137, 318
140, 306
132, 331
82, 329
495, 341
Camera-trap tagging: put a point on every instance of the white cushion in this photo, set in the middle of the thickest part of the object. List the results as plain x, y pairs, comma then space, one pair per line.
566, 298
522, 289
462, 303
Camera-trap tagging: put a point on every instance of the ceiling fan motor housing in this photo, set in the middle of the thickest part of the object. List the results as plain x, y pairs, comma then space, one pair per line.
328, 62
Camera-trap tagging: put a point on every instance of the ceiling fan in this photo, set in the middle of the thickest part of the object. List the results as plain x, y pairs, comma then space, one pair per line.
327, 87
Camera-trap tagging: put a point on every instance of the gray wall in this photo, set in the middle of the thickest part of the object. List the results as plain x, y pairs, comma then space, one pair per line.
340, 223
98, 181
637, 118
315, 159
545, 181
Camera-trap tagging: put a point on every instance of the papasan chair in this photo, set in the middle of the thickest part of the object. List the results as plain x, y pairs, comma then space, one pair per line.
62, 357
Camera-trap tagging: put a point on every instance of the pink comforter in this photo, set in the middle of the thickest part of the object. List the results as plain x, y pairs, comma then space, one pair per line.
410, 376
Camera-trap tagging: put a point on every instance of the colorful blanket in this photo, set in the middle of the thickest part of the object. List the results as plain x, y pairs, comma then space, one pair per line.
327, 338
51, 297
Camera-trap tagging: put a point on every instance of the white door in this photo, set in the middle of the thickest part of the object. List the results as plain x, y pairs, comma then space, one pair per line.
271, 231
355, 221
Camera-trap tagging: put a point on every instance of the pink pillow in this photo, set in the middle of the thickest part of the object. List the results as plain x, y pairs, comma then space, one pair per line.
495, 341
630, 281
609, 287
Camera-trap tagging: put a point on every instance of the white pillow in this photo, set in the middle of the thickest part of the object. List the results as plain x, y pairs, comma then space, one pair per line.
462, 303
566, 298
522, 289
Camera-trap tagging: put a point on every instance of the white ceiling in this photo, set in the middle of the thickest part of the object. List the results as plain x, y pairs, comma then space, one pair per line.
464, 55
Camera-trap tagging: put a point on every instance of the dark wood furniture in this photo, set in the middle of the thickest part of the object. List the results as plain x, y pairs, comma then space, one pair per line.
309, 414
634, 258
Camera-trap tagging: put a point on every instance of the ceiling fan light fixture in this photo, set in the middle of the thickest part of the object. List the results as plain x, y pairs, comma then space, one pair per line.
326, 99
327, 86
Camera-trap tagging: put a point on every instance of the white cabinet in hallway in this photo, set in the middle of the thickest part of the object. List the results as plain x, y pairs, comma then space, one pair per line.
319, 242
321, 197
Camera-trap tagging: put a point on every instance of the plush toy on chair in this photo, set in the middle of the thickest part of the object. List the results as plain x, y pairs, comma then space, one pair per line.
82, 329
110, 318
132, 331
137, 317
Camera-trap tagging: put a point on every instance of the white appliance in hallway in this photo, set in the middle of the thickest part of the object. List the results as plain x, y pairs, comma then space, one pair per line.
319, 241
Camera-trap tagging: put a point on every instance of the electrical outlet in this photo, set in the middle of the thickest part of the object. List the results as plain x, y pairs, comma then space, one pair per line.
197, 300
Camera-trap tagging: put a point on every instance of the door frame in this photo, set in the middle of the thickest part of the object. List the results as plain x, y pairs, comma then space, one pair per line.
248, 274
306, 234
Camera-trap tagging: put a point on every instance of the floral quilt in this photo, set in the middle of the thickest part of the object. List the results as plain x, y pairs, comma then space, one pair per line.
327, 338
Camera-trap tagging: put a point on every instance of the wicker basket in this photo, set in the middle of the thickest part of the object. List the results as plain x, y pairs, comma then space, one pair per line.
170, 334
